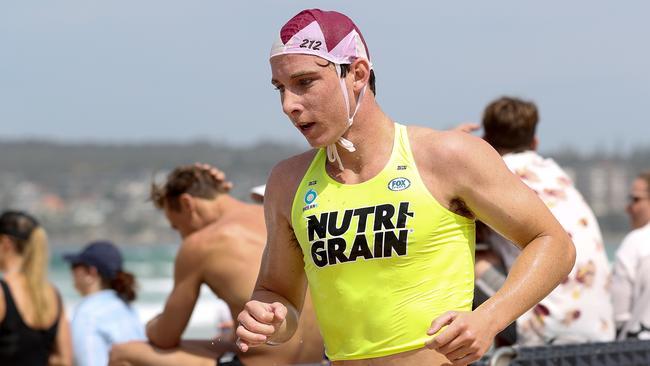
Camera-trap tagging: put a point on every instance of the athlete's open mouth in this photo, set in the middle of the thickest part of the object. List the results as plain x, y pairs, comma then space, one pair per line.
306, 126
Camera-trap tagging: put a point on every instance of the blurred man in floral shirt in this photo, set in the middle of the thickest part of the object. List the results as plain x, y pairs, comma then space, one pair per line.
579, 309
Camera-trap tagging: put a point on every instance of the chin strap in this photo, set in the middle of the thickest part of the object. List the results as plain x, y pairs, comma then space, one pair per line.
332, 153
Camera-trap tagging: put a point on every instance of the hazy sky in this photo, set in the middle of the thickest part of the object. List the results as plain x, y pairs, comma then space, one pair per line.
142, 70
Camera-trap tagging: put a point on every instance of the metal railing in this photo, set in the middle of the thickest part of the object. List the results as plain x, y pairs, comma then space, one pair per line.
621, 353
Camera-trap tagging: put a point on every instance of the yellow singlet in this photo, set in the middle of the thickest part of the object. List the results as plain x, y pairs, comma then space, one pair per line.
383, 257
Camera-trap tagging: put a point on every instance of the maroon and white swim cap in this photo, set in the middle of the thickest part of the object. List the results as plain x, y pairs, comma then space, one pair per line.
327, 34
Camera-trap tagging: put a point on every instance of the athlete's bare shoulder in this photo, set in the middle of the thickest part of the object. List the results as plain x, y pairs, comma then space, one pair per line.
451, 163
285, 178
445, 150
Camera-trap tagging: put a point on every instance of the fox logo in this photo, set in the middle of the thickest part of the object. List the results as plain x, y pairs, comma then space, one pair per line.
399, 184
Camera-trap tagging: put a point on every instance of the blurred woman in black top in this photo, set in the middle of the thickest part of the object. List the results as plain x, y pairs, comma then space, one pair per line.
34, 330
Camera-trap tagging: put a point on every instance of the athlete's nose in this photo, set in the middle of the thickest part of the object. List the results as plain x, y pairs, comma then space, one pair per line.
291, 103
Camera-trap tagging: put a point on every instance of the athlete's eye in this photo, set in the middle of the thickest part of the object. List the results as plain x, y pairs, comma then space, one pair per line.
279, 88
305, 81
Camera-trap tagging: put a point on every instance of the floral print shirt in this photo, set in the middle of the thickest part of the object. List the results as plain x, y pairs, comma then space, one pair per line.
580, 308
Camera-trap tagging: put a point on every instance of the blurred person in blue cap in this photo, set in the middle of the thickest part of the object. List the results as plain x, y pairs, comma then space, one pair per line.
104, 316
33, 327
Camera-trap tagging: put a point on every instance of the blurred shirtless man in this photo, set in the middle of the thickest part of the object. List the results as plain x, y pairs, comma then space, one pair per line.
223, 241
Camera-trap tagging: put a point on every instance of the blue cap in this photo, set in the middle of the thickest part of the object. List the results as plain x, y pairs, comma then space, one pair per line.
103, 255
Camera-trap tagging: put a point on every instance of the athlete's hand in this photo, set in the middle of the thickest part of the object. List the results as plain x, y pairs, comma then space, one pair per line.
465, 340
258, 322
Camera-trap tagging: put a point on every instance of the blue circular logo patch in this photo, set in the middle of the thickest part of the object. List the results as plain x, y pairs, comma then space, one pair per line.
310, 196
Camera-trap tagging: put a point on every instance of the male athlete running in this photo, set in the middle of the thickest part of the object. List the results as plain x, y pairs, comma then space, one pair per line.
379, 218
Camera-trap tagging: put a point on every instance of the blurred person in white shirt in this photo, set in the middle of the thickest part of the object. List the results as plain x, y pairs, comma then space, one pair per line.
631, 281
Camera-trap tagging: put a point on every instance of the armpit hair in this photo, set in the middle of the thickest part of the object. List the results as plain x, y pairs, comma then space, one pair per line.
459, 207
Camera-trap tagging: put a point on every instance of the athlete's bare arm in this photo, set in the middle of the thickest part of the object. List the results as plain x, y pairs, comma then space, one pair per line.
273, 313
468, 172
165, 330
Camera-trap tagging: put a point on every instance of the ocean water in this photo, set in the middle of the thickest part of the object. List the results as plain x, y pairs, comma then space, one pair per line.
153, 268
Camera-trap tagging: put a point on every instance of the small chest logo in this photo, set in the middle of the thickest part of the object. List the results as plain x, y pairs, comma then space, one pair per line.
309, 199
399, 184
310, 196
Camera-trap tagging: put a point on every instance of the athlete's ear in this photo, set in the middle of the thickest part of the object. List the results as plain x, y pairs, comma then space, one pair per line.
360, 70
187, 203
534, 144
